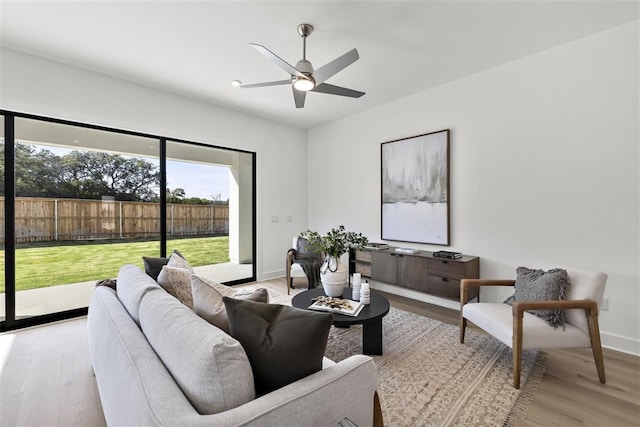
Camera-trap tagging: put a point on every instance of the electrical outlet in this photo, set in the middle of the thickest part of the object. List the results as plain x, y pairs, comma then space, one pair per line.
605, 304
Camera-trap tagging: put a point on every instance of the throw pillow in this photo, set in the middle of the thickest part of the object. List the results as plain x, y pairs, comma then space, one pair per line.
224, 290
284, 344
153, 266
539, 285
178, 261
208, 304
175, 279
110, 283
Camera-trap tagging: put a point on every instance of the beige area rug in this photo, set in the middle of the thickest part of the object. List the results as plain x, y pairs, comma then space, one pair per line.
428, 378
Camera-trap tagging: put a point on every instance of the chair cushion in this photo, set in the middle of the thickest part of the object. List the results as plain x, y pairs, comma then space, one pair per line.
133, 283
284, 344
297, 271
497, 320
209, 366
208, 304
540, 285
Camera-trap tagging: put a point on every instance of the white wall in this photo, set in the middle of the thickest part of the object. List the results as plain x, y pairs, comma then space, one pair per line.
544, 166
37, 86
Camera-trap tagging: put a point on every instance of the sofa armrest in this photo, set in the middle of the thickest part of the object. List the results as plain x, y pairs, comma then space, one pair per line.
345, 389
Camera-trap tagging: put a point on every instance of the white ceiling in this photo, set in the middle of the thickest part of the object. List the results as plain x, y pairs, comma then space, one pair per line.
195, 48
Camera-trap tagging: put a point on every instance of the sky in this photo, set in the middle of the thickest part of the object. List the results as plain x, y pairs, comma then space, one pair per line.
198, 180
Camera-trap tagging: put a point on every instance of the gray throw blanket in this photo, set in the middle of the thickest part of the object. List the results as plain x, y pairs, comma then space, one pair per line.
311, 268
309, 260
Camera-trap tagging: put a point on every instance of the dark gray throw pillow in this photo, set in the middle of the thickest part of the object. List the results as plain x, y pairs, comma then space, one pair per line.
283, 344
110, 283
153, 266
540, 285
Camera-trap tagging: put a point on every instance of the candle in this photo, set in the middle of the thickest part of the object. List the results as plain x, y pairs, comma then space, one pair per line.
355, 290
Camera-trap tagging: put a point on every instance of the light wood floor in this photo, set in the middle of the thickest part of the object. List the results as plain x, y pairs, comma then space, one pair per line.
46, 379
570, 393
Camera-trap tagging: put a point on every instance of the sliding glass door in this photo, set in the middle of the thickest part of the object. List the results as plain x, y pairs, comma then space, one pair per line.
78, 202
210, 193
3, 288
86, 202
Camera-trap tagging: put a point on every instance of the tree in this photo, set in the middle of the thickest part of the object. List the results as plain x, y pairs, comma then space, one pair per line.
37, 173
91, 175
82, 175
176, 195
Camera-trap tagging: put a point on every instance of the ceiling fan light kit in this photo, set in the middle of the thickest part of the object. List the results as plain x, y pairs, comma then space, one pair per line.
303, 77
304, 85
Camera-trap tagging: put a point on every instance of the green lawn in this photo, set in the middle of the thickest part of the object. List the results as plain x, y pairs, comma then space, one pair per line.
39, 266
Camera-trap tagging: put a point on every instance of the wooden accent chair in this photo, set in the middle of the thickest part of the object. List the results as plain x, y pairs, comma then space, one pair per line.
518, 329
300, 252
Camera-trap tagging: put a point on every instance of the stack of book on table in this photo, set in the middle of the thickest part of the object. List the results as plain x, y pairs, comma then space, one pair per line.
336, 305
376, 246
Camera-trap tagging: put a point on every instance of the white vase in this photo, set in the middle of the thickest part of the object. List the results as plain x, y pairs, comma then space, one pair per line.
334, 277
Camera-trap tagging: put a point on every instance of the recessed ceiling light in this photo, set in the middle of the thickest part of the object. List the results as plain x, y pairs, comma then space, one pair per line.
236, 83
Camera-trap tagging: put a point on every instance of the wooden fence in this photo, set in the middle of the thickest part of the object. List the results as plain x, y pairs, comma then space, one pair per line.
43, 219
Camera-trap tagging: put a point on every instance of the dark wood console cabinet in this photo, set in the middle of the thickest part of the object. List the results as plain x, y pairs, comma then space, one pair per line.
420, 271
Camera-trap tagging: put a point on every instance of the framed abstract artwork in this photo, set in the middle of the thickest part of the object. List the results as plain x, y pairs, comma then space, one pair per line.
415, 189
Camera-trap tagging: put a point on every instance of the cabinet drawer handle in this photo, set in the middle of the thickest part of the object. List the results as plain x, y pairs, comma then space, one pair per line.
444, 261
444, 279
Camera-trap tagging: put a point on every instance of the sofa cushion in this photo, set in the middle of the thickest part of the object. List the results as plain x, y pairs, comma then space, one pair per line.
133, 284
208, 304
540, 285
153, 265
210, 367
284, 344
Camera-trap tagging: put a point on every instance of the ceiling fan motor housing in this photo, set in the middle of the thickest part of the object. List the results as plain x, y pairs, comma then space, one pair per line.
304, 66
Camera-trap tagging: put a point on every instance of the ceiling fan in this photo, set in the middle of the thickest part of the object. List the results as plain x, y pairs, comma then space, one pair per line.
303, 77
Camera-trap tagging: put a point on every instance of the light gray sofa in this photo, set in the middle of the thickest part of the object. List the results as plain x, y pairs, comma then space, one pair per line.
157, 363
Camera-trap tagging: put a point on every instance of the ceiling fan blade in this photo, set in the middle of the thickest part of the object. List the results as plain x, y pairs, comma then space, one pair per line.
276, 83
333, 67
299, 97
337, 90
277, 60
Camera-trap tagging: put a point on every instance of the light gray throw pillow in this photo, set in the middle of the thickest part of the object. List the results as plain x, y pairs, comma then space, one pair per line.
208, 304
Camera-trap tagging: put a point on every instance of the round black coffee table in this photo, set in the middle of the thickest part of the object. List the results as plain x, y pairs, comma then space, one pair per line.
370, 317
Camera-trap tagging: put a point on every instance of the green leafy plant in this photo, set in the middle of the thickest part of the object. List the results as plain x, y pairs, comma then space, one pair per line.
336, 242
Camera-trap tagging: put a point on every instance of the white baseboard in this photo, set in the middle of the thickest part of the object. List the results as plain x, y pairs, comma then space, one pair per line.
620, 343
268, 275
